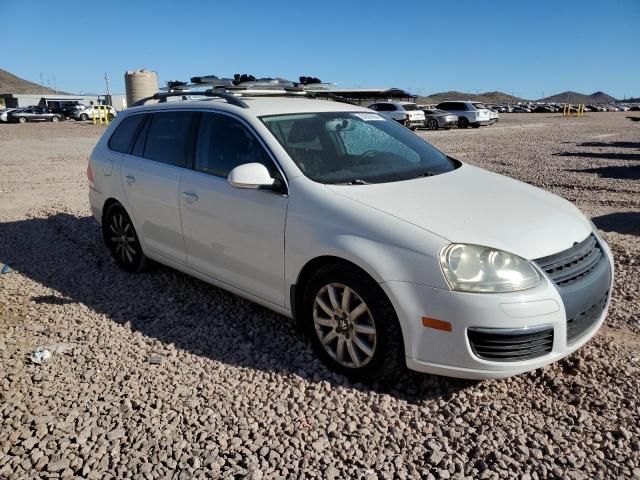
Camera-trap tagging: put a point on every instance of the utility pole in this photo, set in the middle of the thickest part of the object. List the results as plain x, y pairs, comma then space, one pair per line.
55, 84
42, 83
106, 79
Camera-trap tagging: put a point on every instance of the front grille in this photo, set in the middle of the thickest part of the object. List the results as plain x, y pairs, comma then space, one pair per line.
577, 326
567, 267
511, 345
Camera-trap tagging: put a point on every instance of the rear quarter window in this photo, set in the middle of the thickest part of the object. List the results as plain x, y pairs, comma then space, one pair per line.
125, 133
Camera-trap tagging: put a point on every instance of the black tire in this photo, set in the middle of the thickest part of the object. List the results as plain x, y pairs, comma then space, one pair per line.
413, 129
84, 116
432, 124
463, 122
388, 348
55, 119
110, 117
22, 119
407, 123
476, 125
118, 224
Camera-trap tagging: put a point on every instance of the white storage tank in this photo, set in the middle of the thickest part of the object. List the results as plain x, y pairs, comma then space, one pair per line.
140, 84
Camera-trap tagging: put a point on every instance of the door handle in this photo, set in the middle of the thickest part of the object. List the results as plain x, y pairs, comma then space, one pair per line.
130, 179
190, 197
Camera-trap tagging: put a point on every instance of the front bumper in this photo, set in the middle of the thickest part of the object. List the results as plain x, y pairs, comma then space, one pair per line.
452, 354
448, 123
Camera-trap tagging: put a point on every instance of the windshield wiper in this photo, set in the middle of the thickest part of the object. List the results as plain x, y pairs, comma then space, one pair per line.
355, 181
425, 174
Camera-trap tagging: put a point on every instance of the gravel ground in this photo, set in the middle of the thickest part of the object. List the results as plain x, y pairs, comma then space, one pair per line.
161, 375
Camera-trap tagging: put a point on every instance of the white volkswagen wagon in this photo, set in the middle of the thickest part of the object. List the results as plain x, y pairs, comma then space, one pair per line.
386, 250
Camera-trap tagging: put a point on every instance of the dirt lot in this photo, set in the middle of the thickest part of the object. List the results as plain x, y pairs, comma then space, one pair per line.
240, 394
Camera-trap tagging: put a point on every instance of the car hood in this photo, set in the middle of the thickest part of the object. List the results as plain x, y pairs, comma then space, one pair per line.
472, 205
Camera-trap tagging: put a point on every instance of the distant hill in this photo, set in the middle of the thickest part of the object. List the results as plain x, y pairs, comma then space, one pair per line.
9, 83
574, 97
486, 97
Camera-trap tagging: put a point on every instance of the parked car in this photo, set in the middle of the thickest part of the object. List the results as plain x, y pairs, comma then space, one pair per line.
88, 113
66, 109
494, 116
435, 119
4, 114
469, 113
406, 113
543, 109
392, 252
34, 114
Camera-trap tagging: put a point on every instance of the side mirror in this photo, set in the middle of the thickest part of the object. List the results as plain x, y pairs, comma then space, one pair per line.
250, 175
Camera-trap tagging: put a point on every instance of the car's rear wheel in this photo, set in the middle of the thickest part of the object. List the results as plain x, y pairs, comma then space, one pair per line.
352, 325
110, 116
432, 124
22, 120
463, 122
476, 125
84, 116
55, 119
122, 240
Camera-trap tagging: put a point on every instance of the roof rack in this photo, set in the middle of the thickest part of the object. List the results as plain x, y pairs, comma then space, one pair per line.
237, 101
162, 97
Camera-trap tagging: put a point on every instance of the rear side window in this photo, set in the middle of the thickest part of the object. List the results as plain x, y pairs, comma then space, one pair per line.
122, 138
385, 107
410, 106
168, 137
224, 143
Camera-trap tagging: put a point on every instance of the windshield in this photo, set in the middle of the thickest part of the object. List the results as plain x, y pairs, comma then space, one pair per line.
355, 148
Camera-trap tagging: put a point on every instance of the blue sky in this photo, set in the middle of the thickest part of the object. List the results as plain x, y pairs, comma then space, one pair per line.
525, 47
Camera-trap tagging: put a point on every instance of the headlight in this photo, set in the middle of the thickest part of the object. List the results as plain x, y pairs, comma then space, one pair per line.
473, 268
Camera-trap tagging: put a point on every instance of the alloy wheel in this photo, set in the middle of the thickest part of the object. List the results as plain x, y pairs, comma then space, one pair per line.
344, 325
122, 238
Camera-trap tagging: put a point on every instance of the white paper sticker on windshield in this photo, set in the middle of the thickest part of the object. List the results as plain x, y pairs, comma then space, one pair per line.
368, 117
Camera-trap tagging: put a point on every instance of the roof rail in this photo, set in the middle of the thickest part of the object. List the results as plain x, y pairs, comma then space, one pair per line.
162, 97
237, 101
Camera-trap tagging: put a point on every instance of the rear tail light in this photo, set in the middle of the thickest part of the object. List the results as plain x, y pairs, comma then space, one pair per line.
90, 176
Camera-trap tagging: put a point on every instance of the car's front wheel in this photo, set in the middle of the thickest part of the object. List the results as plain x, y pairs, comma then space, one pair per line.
55, 119
463, 122
22, 119
84, 116
122, 240
432, 124
352, 325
